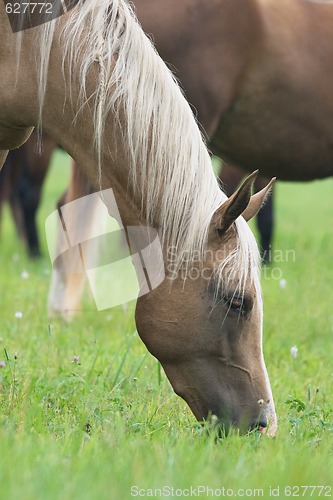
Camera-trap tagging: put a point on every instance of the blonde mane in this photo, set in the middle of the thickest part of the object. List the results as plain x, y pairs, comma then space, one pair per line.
168, 160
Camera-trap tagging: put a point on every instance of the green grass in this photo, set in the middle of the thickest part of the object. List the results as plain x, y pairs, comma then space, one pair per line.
94, 429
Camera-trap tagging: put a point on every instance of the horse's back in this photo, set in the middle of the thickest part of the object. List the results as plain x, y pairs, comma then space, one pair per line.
206, 51
258, 78
281, 120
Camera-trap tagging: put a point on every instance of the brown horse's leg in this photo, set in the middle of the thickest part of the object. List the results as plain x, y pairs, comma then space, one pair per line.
26, 169
265, 221
29, 197
22, 197
9, 177
35, 167
231, 177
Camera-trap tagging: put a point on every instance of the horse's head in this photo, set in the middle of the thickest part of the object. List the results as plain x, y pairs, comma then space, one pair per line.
204, 323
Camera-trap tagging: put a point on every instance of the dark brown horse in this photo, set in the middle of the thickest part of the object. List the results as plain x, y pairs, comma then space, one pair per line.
259, 83
93, 81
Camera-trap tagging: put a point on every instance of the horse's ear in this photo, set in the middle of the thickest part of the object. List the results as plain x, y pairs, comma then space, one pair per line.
257, 201
234, 206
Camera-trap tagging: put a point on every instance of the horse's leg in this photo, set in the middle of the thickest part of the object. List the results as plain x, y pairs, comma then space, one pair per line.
27, 170
66, 290
29, 196
17, 212
23, 196
231, 177
35, 166
67, 286
265, 221
12, 171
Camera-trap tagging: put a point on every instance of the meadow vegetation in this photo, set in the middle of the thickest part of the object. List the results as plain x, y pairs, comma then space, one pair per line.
87, 413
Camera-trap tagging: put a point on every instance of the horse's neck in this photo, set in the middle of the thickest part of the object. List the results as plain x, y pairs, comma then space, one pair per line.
77, 140
75, 132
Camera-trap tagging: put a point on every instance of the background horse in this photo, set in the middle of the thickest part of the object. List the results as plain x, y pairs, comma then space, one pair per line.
260, 86
99, 78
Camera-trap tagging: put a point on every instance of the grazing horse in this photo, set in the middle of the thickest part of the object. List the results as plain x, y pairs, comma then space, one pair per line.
21, 181
93, 81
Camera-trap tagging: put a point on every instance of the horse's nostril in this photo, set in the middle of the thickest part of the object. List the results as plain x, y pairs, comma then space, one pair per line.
259, 424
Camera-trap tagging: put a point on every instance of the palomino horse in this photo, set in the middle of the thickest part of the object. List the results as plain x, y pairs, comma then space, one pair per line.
93, 81
21, 181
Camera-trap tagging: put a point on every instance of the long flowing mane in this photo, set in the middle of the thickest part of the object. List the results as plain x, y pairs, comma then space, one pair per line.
168, 160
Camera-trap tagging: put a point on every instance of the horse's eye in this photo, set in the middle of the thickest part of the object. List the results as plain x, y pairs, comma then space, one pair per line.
237, 304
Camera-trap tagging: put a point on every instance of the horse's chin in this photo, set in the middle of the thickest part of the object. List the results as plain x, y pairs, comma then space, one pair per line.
272, 420
271, 429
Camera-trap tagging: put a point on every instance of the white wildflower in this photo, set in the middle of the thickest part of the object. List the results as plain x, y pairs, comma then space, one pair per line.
294, 351
283, 283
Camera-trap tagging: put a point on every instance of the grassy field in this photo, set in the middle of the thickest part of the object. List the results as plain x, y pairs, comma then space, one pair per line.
87, 414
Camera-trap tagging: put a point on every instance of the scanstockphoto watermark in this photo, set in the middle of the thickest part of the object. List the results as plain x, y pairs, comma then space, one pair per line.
168, 491
23, 14
193, 266
275, 258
